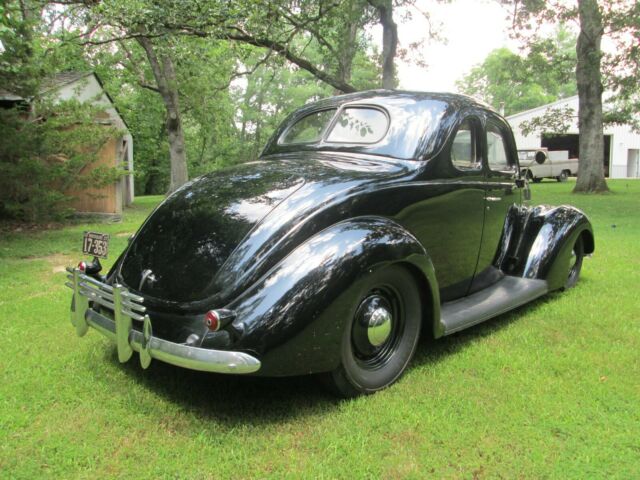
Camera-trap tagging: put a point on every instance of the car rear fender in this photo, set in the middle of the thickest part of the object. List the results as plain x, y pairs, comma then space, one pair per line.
537, 242
293, 318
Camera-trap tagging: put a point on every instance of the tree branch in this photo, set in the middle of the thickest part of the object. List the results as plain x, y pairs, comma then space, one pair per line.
123, 37
283, 50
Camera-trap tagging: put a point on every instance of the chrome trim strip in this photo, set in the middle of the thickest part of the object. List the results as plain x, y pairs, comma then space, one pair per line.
120, 330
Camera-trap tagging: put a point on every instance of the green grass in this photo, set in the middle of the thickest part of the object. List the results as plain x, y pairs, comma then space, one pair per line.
549, 391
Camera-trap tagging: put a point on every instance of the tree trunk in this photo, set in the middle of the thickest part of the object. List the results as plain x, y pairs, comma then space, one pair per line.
389, 41
165, 76
346, 49
591, 143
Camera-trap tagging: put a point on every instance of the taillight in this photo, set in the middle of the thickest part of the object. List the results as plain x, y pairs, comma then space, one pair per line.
217, 319
212, 320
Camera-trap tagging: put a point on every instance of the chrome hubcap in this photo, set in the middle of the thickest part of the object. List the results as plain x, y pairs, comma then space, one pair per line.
373, 329
378, 326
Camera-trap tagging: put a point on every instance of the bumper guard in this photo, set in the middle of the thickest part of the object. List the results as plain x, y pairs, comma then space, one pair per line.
128, 307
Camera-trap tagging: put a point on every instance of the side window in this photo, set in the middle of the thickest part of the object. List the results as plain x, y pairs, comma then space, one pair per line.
464, 151
496, 149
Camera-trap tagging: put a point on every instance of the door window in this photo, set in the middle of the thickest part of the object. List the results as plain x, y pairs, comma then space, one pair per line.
464, 150
496, 149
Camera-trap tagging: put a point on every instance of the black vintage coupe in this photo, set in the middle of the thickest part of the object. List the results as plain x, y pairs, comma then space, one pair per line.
370, 219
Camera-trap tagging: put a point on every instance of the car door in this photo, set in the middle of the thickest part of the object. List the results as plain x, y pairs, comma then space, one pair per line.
501, 192
452, 219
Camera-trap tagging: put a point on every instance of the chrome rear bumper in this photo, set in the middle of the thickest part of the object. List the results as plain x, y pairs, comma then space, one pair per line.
127, 308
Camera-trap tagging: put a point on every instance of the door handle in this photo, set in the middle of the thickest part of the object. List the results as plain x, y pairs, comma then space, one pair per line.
494, 199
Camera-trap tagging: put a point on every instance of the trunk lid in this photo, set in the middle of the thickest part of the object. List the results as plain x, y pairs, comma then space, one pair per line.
217, 234
186, 240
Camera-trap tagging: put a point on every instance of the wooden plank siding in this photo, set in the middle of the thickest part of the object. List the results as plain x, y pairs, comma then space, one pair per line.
107, 199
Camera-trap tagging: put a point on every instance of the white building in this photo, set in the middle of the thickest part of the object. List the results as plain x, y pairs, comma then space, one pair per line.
622, 144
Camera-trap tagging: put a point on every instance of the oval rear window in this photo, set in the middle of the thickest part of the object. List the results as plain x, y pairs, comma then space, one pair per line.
308, 129
359, 125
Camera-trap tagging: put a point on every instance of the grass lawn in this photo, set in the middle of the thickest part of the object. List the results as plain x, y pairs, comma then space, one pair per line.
549, 391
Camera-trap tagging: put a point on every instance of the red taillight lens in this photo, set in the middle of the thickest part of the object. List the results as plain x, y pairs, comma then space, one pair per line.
82, 266
212, 320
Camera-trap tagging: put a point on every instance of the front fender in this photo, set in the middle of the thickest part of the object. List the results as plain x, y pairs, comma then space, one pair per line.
294, 316
537, 242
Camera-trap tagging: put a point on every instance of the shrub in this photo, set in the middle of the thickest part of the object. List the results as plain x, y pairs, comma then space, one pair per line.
45, 151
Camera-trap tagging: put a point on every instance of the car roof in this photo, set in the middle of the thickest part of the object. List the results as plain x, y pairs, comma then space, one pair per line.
381, 96
432, 116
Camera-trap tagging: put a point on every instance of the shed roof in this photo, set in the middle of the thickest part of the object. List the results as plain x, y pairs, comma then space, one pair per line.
59, 80
63, 78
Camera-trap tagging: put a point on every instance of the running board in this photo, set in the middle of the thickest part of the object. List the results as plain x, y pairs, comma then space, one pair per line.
504, 295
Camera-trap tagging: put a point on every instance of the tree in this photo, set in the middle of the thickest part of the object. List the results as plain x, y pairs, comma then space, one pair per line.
521, 82
164, 74
46, 155
155, 26
323, 38
389, 40
589, 79
618, 19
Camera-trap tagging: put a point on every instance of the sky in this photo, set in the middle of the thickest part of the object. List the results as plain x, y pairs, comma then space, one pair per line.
472, 28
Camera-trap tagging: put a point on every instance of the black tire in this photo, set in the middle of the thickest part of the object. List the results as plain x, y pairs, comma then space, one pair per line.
537, 180
575, 263
563, 176
365, 367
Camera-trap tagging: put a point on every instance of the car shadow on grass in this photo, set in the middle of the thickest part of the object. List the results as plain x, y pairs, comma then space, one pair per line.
235, 399
432, 351
229, 399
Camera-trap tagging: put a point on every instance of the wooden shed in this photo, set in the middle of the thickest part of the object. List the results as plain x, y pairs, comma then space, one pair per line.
117, 152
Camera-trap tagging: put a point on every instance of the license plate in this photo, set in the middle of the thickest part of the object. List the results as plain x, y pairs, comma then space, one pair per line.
95, 244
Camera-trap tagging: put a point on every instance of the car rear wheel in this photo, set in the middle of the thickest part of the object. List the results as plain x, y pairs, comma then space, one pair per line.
381, 338
575, 263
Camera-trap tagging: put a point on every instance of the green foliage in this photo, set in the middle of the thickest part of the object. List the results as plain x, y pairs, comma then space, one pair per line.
521, 82
232, 93
43, 154
620, 68
555, 120
144, 113
19, 74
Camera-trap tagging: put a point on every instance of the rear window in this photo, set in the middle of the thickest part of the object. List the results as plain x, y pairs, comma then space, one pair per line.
359, 125
354, 125
308, 129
